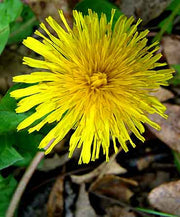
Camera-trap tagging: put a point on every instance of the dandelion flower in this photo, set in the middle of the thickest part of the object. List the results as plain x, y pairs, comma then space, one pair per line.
96, 79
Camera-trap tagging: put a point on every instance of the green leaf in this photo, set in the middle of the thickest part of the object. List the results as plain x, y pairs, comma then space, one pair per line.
9, 11
169, 26
18, 148
99, 6
7, 188
8, 154
173, 5
176, 159
176, 79
27, 145
10, 121
9, 118
23, 143
4, 34
19, 30
8, 103
177, 68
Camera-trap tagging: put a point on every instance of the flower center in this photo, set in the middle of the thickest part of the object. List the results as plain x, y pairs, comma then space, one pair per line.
98, 79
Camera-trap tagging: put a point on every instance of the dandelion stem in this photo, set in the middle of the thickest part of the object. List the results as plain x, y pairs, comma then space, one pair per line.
24, 181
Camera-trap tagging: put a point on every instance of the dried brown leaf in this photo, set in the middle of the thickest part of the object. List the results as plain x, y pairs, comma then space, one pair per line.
10, 65
116, 211
45, 8
163, 94
56, 199
3, 85
170, 128
111, 168
171, 46
54, 162
166, 197
152, 180
112, 186
147, 10
83, 206
114, 168
144, 162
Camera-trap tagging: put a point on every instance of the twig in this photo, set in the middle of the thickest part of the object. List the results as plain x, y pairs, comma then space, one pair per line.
24, 181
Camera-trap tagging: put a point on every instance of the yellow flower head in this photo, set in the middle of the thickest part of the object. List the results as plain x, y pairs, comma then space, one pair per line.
97, 79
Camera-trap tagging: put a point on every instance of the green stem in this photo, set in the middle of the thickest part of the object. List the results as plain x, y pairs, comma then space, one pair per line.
154, 212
